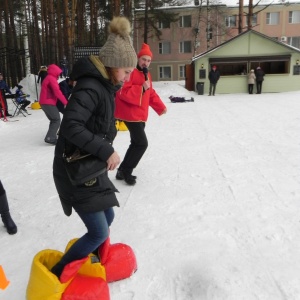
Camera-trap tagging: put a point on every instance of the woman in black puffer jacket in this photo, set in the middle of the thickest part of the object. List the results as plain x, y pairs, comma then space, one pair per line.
88, 125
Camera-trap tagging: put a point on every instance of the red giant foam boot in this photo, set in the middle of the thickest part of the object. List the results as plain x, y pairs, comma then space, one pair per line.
118, 259
83, 287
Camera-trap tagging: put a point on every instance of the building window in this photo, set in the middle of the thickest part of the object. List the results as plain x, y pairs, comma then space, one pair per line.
181, 71
241, 66
254, 20
185, 47
294, 17
165, 72
185, 21
230, 21
294, 41
164, 48
164, 24
272, 18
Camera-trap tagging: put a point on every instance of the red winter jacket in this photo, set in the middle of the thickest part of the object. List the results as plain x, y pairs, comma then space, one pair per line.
50, 91
132, 104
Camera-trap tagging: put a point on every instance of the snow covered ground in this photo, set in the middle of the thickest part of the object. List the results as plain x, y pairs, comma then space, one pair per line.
215, 211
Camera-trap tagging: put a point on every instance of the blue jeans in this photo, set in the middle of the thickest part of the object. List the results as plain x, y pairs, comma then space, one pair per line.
97, 224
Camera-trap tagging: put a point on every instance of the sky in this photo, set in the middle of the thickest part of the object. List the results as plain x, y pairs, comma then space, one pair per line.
215, 211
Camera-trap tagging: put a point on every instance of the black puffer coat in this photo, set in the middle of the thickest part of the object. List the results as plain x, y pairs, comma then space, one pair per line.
88, 124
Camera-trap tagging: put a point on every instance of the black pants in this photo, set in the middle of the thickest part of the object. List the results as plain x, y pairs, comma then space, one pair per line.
137, 147
25, 103
212, 88
258, 86
250, 88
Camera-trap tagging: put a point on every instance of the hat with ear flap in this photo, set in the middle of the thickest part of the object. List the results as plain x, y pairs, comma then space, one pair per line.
118, 51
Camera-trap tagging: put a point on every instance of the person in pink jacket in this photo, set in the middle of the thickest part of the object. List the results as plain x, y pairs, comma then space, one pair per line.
50, 94
132, 107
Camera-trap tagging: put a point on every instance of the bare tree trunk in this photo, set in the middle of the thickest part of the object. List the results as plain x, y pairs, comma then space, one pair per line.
60, 35
117, 8
25, 40
146, 21
92, 20
80, 24
71, 40
128, 9
250, 14
16, 66
241, 4
36, 50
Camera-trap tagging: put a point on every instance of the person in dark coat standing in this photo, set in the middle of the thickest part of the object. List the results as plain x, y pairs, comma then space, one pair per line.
66, 87
88, 125
259, 79
42, 74
64, 67
213, 76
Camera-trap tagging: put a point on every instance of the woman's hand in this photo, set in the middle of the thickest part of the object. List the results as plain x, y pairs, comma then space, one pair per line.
113, 161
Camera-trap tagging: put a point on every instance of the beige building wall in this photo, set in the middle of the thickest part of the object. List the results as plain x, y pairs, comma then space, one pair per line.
175, 60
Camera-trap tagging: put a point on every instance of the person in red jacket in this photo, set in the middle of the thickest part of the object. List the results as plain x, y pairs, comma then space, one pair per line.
50, 93
132, 106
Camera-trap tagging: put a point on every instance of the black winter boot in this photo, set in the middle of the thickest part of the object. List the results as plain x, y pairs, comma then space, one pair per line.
8, 222
129, 179
5, 215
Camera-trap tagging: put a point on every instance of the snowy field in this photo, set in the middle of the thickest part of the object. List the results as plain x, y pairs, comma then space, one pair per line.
215, 211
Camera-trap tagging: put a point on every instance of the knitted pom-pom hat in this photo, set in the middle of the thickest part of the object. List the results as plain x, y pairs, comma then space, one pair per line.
145, 50
118, 51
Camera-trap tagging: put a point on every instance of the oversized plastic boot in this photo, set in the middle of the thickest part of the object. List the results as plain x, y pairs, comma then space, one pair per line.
4, 211
118, 259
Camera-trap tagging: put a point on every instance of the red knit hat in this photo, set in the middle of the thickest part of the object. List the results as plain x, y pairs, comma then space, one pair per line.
145, 50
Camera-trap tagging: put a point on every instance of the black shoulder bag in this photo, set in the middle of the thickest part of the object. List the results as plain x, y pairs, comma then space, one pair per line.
82, 168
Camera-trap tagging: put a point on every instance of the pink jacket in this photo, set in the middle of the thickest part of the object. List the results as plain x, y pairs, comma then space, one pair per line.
50, 91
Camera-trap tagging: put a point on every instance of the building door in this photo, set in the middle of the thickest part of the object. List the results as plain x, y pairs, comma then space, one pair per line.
189, 77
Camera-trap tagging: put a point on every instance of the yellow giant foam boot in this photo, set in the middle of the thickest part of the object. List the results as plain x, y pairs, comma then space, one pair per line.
35, 105
90, 268
44, 285
121, 126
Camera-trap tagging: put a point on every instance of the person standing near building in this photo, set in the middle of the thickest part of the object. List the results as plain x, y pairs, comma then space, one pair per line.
4, 89
260, 74
50, 94
213, 76
88, 126
132, 106
251, 81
